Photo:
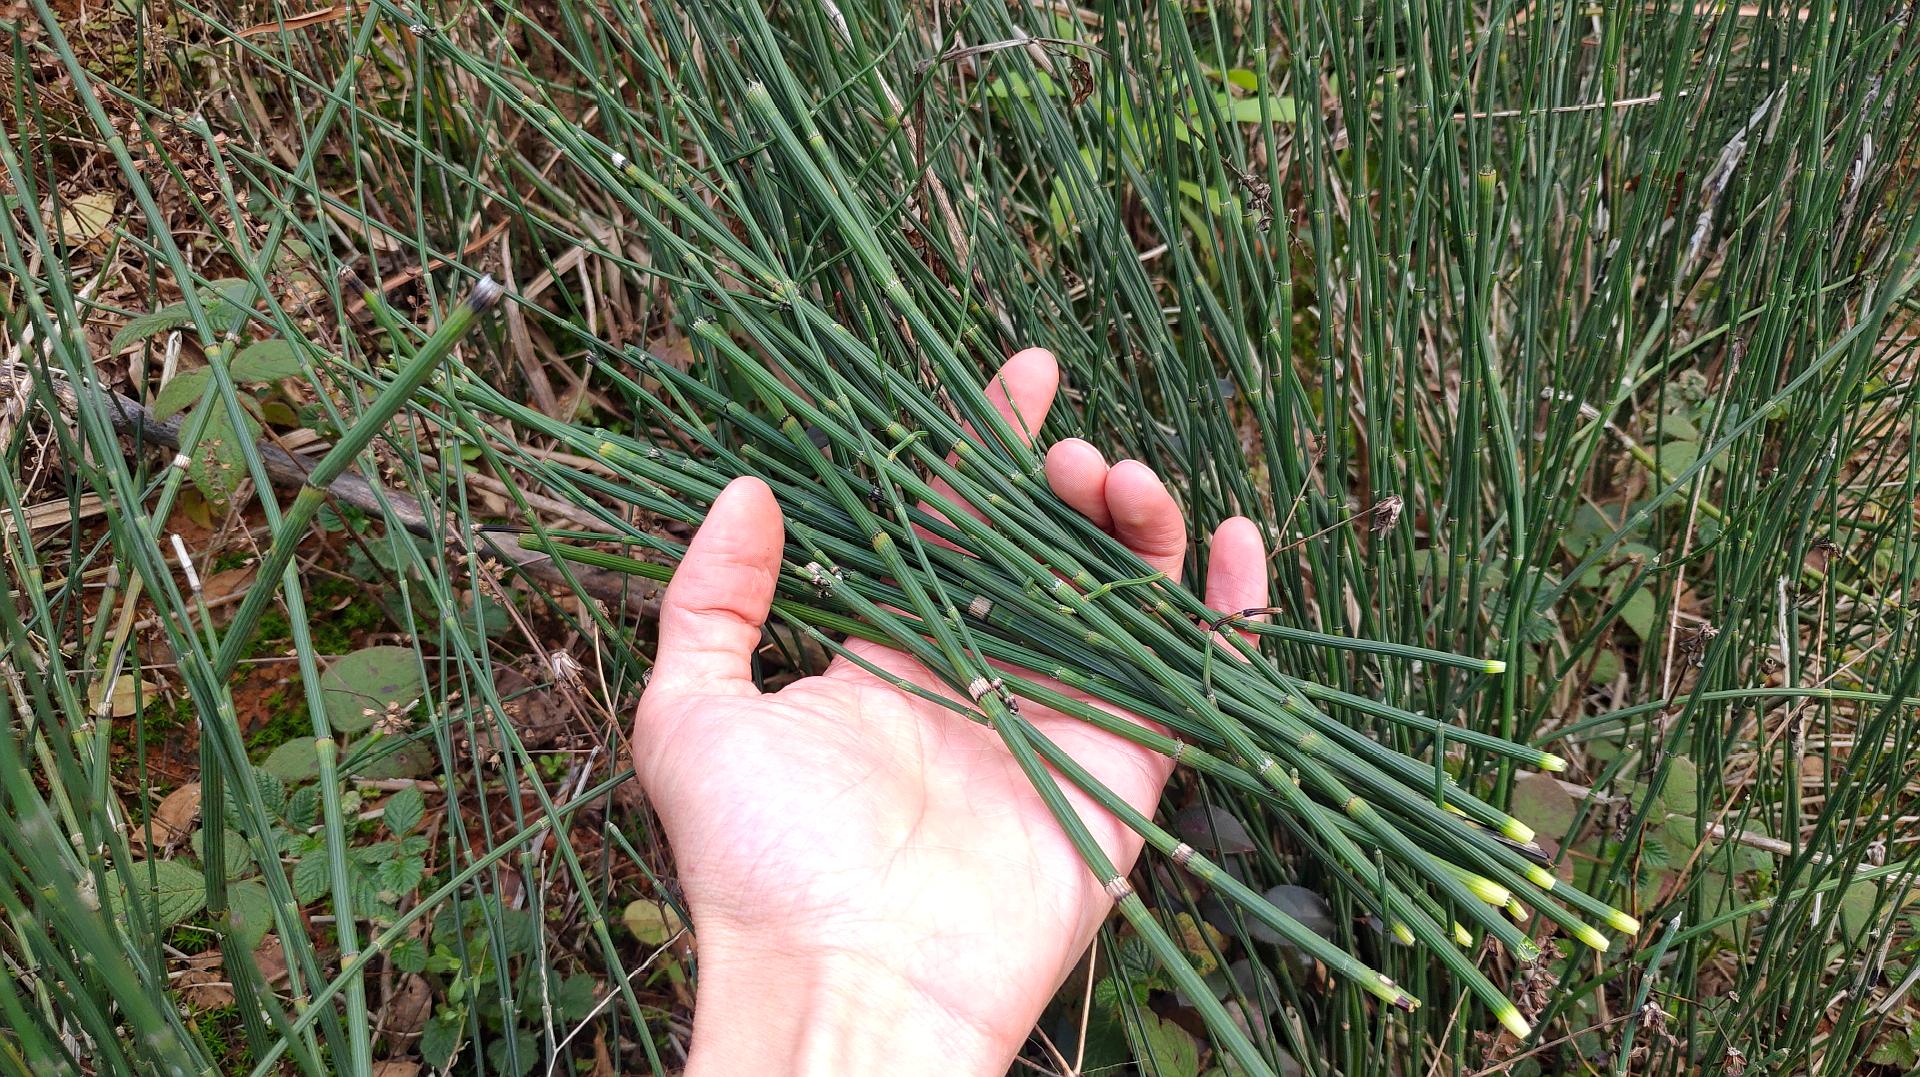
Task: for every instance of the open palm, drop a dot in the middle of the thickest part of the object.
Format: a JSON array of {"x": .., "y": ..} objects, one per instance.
[{"x": 844, "y": 830}]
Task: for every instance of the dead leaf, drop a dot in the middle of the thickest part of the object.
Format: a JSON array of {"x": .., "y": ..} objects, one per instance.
[
  {"x": 303, "y": 20},
  {"x": 602, "y": 1061},
  {"x": 271, "y": 960},
  {"x": 408, "y": 1008},
  {"x": 227, "y": 583},
  {"x": 402, "y": 1068},
  {"x": 86, "y": 217},
  {"x": 122, "y": 697},
  {"x": 173, "y": 819},
  {"x": 203, "y": 984}
]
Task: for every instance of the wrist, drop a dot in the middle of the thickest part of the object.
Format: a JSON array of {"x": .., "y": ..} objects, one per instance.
[{"x": 766, "y": 1008}]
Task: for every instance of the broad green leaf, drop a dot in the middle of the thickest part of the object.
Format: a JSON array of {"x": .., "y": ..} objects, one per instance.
[
  {"x": 398, "y": 877},
  {"x": 391, "y": 757},
  {"x": 1247, "y": 109},
  {"x": 440, "y": 1040},
  {"x": 295, "y": 761},
  {"x": 171, "y": 890},
  {"x": 359, "y": 687},
  {"x": 233, "y": 852},
  {"x": 1545, "y": 803},
  {"x": 179, "y": 392},
  {"x": 310, "y": 879},
  {"x": 303, "y": 809},
  {"x": 251, "y": 911},
  {"x": 651, "y": 922},
  {"x": 1639, "y": 613},
  {"x": 404, "y": 810},
  {"x": 409, "y": 955},
  {"x": 267, "y": 360},
  {"x": 1165, "y": 1048},
  {"x": 576, "y": 996}
]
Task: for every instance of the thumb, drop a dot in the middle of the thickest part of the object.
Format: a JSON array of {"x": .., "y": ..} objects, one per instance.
[{"x": 711, "y": 617}]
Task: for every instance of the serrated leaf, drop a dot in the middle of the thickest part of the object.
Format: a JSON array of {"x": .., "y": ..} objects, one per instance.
[
  {"x": 360, "y": 686},
  {"x": 142, "y": 326},
  {"x": 409, "y": 955},
  {"x": 267, "y": 360},
  {"x": 222, "y": 301},
  {"x": 404, "y": 810},
  {"x": 310, "y": 880},
  {"x": 1165, "y": 1048},
  {"x": 233, "y": 852},
  {"x": 171, "y": 890},
  {"x": 514, "y": 1053},
  {"x": 440, "y": 1040},
  {"x": 303, "y": 809},
  {"x": 295, "y": 761},
  {"x": 273, "y": 792},
  {"x": 251, "y": 911},
  {"x": 576, "y": 996},
  {"x": 179, "y": 392},
  {"x": 220, "y": 458},
  {"x": 1681, "y": 790},
  {"x": 399, "y": 876}
]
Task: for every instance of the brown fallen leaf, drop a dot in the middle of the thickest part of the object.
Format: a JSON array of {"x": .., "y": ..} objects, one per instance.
[
  {"x": 226, "y": 583},
  {"x": 122, "y": 695},
  {"x": 203, "y": 985},
  {"x": 407, "y": 1009},
  {"x": 602, "y": 1061},
  {"x": 396, "y": 1068},
  {"x": 303, "y": 20},
  {"x": 173, "y": 819},
  {"x": 271, "y": 960}
]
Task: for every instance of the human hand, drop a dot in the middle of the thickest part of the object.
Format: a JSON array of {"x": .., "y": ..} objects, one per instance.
[{"x": 874, "y": 884}]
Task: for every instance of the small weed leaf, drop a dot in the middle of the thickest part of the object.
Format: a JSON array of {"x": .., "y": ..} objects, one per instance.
[
  {"x": 171, "y": 890},
  {"x": 1165, "y": 1048},
  {"x": 221, "y": 301},
  {"x": 651, "y": 922},
  {"x": 179, "y": 393},
  {"x": 404, "y": 810},
  {"x": 303, "y": 809},
  {"x": 237, "y": 861},
  {"x": 295, "y": 761},
  {"x": 310, "y": 879},
  {"x": 267, "y": 360},
  {"x": 576, "y": 997},
  {"x": 220, "y": 459},
  {"x": 359, "y": 687},
  {"x": 388, "y": 758},
  {"x": 1212, "y": 829},
  {"x": 409, "y": 955},
  {"x": 146, "y": 325},
  {"x": 441, "y": 1039},
  {"x": 398, "y": 877},
  {"x": 251, "y": 912}
]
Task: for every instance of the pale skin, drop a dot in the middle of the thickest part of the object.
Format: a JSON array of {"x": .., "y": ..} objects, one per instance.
[{"x": 874, "y": 884}]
